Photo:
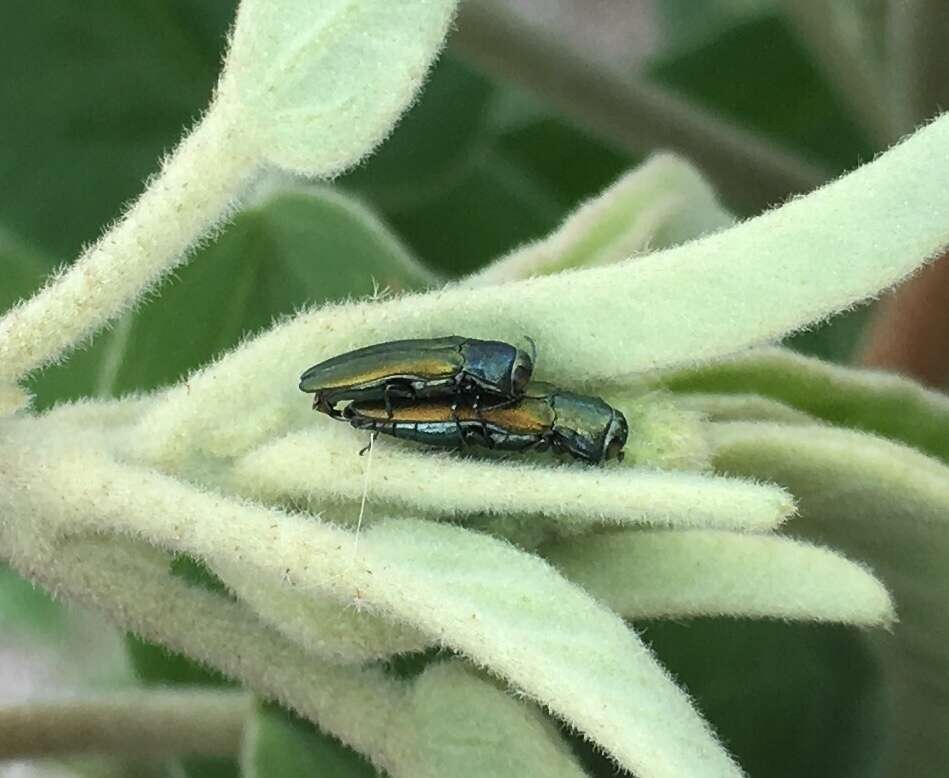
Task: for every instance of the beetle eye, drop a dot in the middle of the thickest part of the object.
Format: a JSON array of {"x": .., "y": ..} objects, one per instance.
[
  {"x": 616, "y": 436},
  {"x": 521, "y": 374},
  {"x": 520, "y": 377},
  {"x": 614, "y": 450}
]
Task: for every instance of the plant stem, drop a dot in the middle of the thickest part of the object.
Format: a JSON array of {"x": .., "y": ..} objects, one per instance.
[
  {"x": 852, "y": 75},
  {"x": 451, "y": 584},
  {"x": 194, "y": 191},
  {"x": 918, "y": 67},
  {"x": 152, "y": 723},
  {"x": 635, "y": 115},
  {"x": 135, "y": 589}
]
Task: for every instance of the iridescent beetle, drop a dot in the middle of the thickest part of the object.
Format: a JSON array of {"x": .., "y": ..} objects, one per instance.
[
  {"x": 545, "y": 418},
  {"x": 420, "y": 369}
]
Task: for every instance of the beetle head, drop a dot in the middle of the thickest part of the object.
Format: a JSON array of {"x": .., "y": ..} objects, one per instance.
[
  {"x": 616, "y": 435},
  {"x": 521, "y": 371}
]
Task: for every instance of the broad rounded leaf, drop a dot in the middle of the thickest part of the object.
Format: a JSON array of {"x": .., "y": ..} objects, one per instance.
[{"x": 321, "y": 84}]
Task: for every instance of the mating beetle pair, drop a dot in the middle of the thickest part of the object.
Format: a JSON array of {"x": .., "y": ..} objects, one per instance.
[
  {"x": 419, "y": 369},
  {"x": 454, "y": 392}
]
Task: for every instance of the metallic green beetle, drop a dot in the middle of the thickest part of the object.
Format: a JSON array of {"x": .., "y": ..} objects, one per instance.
[
  {"x": 420, "y": 369},
  {"x": 587, "y": 428}
]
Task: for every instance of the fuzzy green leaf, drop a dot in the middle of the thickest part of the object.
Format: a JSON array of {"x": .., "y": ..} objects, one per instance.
[
  {"x": 675, "y": 574},
  {"x": 450, "y": 486},
  {"x": 321, "y": 625},
  {"x": 552, "y": 640},
  {"x": 474, "y": 729},
  {"x": 706, "y": 299},
  {"x": 549, "y": 640},
  {"x": 741, "y": 407},
  {"x": 876, "y": 402},
  {"x": 133, "y": 585},
  {"x": 433, "y": 145},
  {"x": 293, "y": 246},
  {"x": 320, "y": 86},
  {"x": 888, "y": 505},
  {"x": 663, "y": 202}
]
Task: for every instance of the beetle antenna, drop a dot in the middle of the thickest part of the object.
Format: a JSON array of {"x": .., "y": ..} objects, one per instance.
[
  {"x": 365, "y": 494},
  {"x": 530, "y": 340}
]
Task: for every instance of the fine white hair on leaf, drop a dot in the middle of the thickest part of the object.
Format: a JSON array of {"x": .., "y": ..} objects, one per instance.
[
  {"x": 308, "y": 87},
  {"x": 574, "y": 496},
  {"x": 321, "y": 85},
  {"x": 868, "y": 400},
  {"x": 886, "y": 504},
  {"x": 208, "y": 170},
  {"x": 644, "y": 574},
  {"x": 551, "y": 640},
  {"x": 469, "y": 720},
  {"x": 662, "y": 202},
  {"x": 320, "y": 624},
  {"x": 704, "y": 300},
  {"x": 741, "y": 407},
  {"x": 12, "y": 398},
  {"x": 132, "y": 584}
]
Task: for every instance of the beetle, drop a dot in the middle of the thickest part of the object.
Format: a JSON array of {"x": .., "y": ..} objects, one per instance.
[
  {"x": 419, "y": 369},
  {"x": 545, "y": 418}
]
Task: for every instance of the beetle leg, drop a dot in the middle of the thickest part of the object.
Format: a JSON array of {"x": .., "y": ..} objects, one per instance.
[
  {"x": 372, "y": 439},
  {"x": 501, "y": 404},
  {"x": 328, "y": 407},
  {"x": 543, "y": 444},
  {"x": 399, "y": 391},
  {"x": 388, "y": 400},
  {"x": 476, "y": 408},
  {"x": 488, "y": 440},
  {"x": 461, "y": 431},
  {"x": 321, "y": 404}
]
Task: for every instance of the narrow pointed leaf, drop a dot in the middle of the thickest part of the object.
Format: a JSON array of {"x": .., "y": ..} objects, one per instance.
[
  {"x": 471, "y": 728},
  {"x": 741, "y": 407},
  {"x": 889, "y": 506},
  {"x": 663, "y": 202},
  {"x": 292, "y": 245},
  {"x": 551, "y": 640},
  {"x": 867, "y": 400},
  {"x": 644, "y": 574},
  {"x": 321, "y": 625},
  {"x": 131, "y": 583},
  {"x": 709, "y": 298},
  {"x": 575, "y": 497}
]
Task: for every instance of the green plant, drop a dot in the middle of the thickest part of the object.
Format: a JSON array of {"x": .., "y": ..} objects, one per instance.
[{"x": 437, "y": 614}]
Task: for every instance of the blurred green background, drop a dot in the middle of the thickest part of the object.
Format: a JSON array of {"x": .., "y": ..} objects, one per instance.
[{"x": 93, "y": 93}]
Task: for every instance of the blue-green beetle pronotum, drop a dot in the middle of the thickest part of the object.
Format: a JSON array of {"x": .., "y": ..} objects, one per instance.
[
  {"x": 420, "y": 369},
  {"x": 544, "y": 418}
]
